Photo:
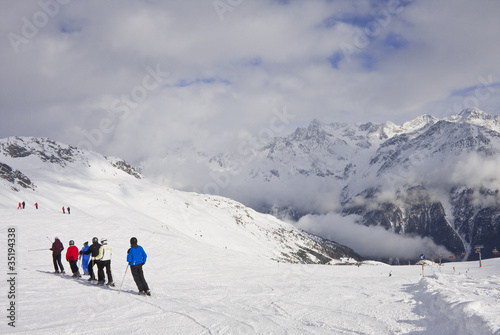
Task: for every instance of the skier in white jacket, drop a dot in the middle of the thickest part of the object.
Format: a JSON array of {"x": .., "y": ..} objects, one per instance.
[{"x": 104, "y": 261}]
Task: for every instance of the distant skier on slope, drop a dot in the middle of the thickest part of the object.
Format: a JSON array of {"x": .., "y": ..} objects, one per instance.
[
  {"x": 85, "y": 258},
  {"x": 136, "y": 258},
  {"x": 93, "y": 251},
  {"x": 104, "y": 261},
  {"x": 68, "y": 210},
  {"x": 72, "y": 258},
  {"x": 64, "y": 210},
  {"x": 57, "y": 248}
]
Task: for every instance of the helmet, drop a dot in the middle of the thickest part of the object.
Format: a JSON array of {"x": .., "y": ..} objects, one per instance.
[
  {"x": 95, "y": 239},
  {"x": 133, "y": 241},
  {"x": 71, "y": 242},
  {"x": 104, "y": 241}
]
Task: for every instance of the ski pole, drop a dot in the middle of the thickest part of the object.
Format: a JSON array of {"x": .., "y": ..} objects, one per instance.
[
  {"x": 120, "y": 289},
  {"x": 37, "y": 250}
]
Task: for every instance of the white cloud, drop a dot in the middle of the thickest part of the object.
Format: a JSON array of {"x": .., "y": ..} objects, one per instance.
[
  {"x": 263, "y": 55},
  {"x": 370, "y": 241}
]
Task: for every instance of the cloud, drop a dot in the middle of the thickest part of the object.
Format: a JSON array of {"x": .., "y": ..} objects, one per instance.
[
  {"x": 226, "y": 75},
  {"x": 369, "y": 241}
]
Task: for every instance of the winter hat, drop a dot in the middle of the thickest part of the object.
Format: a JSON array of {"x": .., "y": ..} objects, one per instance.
[
  {"x": 104, "y": 241},
  {"x": 133, "y": 241},
  {"x": 71, "y": 242},
  {"x": 86, "y": 243}
]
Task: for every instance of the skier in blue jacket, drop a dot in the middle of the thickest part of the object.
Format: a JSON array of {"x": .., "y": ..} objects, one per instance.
[
  {"x": 136, "y": 258},
  {"x": 85, "y": 258}
]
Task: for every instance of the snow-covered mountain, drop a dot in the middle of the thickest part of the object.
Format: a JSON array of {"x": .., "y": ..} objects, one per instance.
[
  {"x": 38, "y": 170},
  {"x": 428, "y": 177}
]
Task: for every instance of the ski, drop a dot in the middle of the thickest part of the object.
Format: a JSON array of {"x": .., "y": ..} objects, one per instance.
[{"x": 85, "y": 281}]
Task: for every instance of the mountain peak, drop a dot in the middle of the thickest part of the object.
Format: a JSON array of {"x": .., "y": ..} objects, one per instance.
[
  {"x": 473, "y": 114},
  {"x": 419, "y": 122}
]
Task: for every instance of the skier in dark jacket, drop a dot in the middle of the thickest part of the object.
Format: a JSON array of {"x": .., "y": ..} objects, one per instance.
[
  {"x": 57, "y": 248},
  {"x": 93, "y": 250},
  {"x": 136, "y": 258}
]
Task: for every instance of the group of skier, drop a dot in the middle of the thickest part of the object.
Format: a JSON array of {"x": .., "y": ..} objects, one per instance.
[
  {"x": 100, "y": 254},
  {"x": 22, "y": 205}
]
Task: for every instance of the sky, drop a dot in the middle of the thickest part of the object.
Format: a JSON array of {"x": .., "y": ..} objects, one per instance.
[{"x": 136, "y": 78}]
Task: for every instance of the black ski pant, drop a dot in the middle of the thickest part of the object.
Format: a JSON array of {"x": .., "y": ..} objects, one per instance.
[
  {"x": 74, "y": 267},
  {"x": 91, "y": 270},
  {"x": 56, "y": 259},
  {"x": 100, "y": 270},
  {"x": 139, "y": 277}
]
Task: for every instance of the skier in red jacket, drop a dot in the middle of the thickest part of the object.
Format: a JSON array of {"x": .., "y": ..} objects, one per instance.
[{"x": 72, "y": 258}]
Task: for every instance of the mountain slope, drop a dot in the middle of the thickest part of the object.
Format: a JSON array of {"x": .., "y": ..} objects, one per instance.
[{"x": 55, "y": 175}]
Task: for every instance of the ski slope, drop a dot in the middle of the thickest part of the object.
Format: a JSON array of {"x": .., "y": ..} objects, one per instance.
[{"x": 198, "y": 288}]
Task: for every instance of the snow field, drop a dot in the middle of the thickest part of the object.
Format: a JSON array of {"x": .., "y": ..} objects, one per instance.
[{"x": 202, "y": 289}]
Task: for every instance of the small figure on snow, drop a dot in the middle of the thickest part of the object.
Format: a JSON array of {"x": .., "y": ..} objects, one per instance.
[
  {"x": 36, "y": 205},
  {"x": 20, "y": 206},
  {"x": 136, "y": 258},
  {"x": 64, "y": 210},
  {"x": 57, "y": 248},
  {"x": 85, "y": 258},
  {"x": 72, "y": 258},
  {"x": 24, "y": 204},
  {"x": 104, "y": 261},
  {"x": 68, "y": 210},
  {"x": 93, "y": 251}
]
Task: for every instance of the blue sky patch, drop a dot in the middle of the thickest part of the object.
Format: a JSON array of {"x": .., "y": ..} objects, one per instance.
[
  {"x": 70, "y": 27},
  {"x": 470, "y": 90},
  {"x": 368, "y": 61},
  {"x": 335, "y": 59},
  {"x": 201, "y": 80},
  {"x": 253, "y": 61},
  {"x": 395, "y": 42}
]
